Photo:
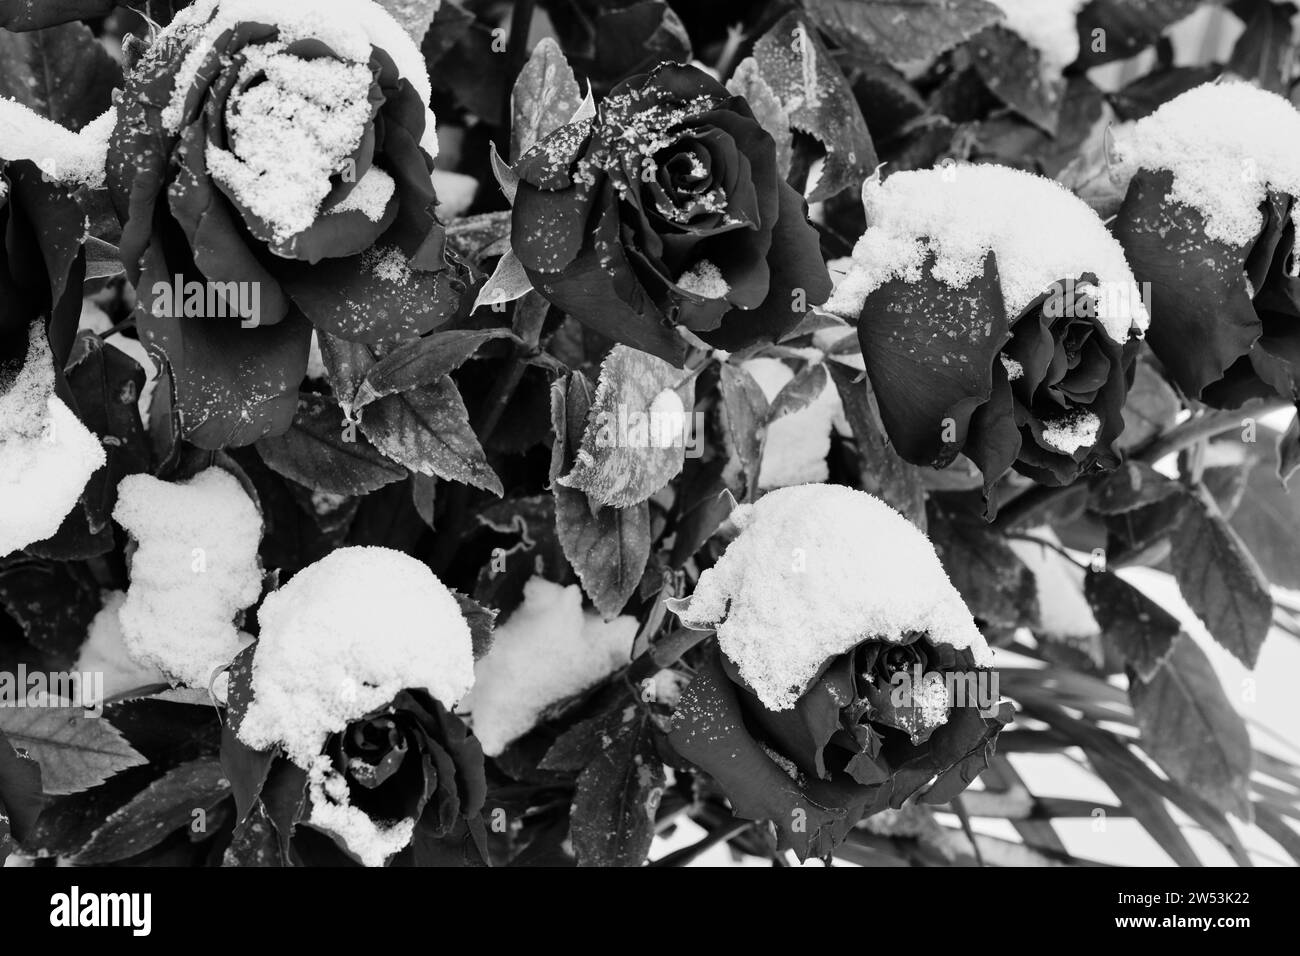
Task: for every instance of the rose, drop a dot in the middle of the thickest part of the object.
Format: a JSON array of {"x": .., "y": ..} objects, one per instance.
[
  {"x": 1208, "y": 220},
  {"x": 271, "y": 168},
  {"x": 665, "y": 208},
  {"x": 995, "y": 316},
  {"x": 412, "y": 760},
  {"x": 848, "y": 674}
]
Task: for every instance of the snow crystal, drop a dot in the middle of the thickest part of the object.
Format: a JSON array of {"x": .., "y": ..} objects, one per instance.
[
  {"x": 1072, "y": 432},
  {"x": 331, "y": 810},
  {"x": 1048, "y": 26},
  {"x": 62, "y": 155},
  {"x": 1014, "y": 369},
  {"x": 46, "y": 454},
  {"x": 388, "y": 264},
  {"x": 1225, "y": 144},
  {"x": 342, "y": 637},
  {"x": 816, "y": 570},
  {"x": 795, "y": 450},
  {"x": 704, "y": 279},
  {"x": 370, "y": 195},
  {"x": 105, "y": 651},
  {"x": 549, "y": 649},
  {"x": 195, "y": 568},
  {"x": 1040, "y": 232}
]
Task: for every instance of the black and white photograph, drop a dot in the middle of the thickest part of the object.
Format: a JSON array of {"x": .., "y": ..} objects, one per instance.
[{"x": 721, "y": 434}]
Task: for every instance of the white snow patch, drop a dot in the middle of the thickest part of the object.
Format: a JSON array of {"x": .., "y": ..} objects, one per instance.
[
  {"x": 1048, "y": 26},
  {"x": 342, "y": 638},
  {"x": 331, "y": 809},
  {"x": 704, "y": 279},
  {"x": 62, "y": 155},
  {"x": 1226, "y": 144},
  {"x": 549, "y": 649},
  {"x": 1014, "y": 369},
  {"x": 1063, "y": 610},
  {"x": 816, "y": 570},
  {"x": 1074, "y": 431},
  {"x": 195, "y": 568},
  {"x": 46, "y": 454},
  {"x": 315, "y": 359},
  {"x": 1040, "y": 232},
  {"x": 370, "y": 195},
  {"x": 456, "y": 192},
  {"x": 105, "y": 651},
  {"x": 795, "y": 450}
]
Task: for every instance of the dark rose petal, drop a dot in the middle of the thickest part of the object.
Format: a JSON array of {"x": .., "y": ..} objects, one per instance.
[
  {"x": 1198, "y": 287},
  {"x": 929, "y": 351}
]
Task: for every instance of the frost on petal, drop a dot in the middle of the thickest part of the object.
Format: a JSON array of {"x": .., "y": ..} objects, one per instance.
[
  {"x": 1039, "y": 232},
  {"x": 548, "y": 650},
  {"x": 46, "y": 454},
  {"x": 342, "y": 638},
  {"x": 815, "y": 571},
  {"x": 331, "y": 810},
  {"x": 194, "y": 569},
  {"x": 1226, "y": 145}
]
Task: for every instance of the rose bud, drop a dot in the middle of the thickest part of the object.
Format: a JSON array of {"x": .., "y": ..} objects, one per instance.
[
  {"x": 997, "y": 318},
  {"x": 848, "y": 674},
  {"x": 667, "y": 208},
  {"x": 1209, "y": 220},
  {"x": 271, "y": 166},
  {"x": 360, "y": 658}
]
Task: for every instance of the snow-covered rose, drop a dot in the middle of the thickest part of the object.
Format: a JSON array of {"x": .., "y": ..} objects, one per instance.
[
  {"x": 848, "y": 672},
  {"x": 1210, "y": 221},
  {"x": 997, "y": 318},
  {"x": 271, "y": 165},
  {"x": 666, "y": 208}
]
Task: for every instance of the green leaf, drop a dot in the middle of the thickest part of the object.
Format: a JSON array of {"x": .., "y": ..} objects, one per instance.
[
  {"x": 882, "y": 472},
  {"x": 744, "y": 417},
  {"x": 427, "y": 430},
  {"x": 800, "y": 392},
  {"x": 61, "y": 72},
  {"x": 815, "y": 96},
  {"x": 75, "y": 752},
  {"x": 183, "y": 797},
  {"x": 748, "y": 81},
  {"x": 1117, "y": 29},
  {"x": 480, "y": 619},
  {"x": 21, "y": 798},
  {"x": 617, "y": 796},
  {"x": 323, "y": 452},
  {"x": 634, "y": 442},
  {"x": 422, "y": 362},
  {"x": 607, "y": 546},
  {"x": 903, "y": 31},
  {"x": 995, "y": 584},
  {"x": 1220, "y": 580},
  {"x": 1150, "y": 408},
  {"x": 54, "y": 602},
  {"x": 1013, "y": 72},
  {"x": 1193, "y": 733},
  {"x": 1267, "y": 517},
  {"x": 1132, "y": 486},
  {"x": 1139, "y": 629},
  {"x": 546, "y": 96}
]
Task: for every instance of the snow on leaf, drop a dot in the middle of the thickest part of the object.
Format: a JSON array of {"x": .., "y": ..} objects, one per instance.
[
  {"x": 817, "y": 99},
  {"x": 75, "y": 752},
  {"x": 748, "y": 82},
  {"x": 423, "y": 361},
  {"x": 904, "y": 30},
  {"x": 546, "y": 96},
  {"x": 634, "y": 442}
]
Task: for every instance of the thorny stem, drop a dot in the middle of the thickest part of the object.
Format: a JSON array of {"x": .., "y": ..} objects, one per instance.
[{"x": 1203, "y": 427}]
